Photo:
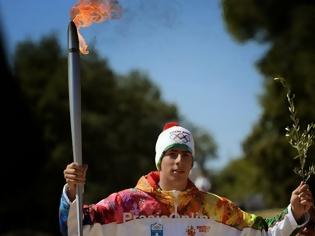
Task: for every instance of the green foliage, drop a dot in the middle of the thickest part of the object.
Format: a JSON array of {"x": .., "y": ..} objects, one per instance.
[
  {"x": 122, "y": 116},
  {"x": 299, "y": 139},
  {"x": 264, "y": 21},
  {"x": 205, "y": 148},
  {"x": 287, "y": 27},
  {"x": 237, "y": 180}
]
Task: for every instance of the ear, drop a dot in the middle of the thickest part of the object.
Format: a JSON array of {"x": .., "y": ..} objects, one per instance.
[{"x": 160, "y": 162}]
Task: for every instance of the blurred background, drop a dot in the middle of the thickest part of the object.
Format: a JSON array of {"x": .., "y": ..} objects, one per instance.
[{"x": 208, "y": 64}]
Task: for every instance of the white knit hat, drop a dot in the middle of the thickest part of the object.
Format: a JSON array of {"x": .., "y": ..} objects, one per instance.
[{"x": 172, "y": 136}]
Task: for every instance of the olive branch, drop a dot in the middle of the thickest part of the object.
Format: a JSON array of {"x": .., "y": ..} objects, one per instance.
[{"x": 299, "y": 139}]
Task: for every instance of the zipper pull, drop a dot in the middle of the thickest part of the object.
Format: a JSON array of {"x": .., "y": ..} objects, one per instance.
[{"x": 175, "y": 195}]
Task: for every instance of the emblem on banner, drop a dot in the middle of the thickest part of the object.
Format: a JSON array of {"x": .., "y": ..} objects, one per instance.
[
  {"x": 191, "y": 231},
  {"x": 156, "y": 229},
  {"x": 203, "y": 228}
]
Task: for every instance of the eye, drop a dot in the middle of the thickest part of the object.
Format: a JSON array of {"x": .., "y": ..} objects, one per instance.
[
  {"x": 173, "y": 154},
  {"x": 187, "y": 154}
]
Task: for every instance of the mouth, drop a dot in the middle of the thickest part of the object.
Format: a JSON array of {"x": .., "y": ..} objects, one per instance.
[{"x": 178, "y": 171}]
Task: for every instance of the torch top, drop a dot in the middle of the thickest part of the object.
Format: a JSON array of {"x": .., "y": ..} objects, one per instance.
[{"x": 73, "y": 40}]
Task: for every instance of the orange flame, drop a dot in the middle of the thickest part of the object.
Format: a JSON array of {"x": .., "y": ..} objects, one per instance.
[{"x": 87, "y": 12}]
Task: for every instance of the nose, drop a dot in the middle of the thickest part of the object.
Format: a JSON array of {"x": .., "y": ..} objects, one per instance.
[{"x": 179, "y": 158}]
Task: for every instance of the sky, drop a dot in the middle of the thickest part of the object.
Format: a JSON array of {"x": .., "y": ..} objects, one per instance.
[{"x": 183, "y": 46}]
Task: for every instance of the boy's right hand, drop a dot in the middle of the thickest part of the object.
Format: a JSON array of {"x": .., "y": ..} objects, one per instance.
[{"x": 74, "y": 174}]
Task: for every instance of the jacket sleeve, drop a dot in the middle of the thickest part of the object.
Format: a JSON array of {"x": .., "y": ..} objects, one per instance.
[
  {"x": 282, "y": 224},
  {"x": 104, "y": 212},
  {"x": 64, "y": 208},
  {"x": 276, "y": 223},
  {"x": 250, "y": 224}
]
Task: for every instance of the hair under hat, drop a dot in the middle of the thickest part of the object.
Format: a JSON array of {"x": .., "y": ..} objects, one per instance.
[{"x": 172, "y": 136}]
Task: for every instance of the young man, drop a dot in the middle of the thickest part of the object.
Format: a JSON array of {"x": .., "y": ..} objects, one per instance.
[{"x": 167, "y": 203}]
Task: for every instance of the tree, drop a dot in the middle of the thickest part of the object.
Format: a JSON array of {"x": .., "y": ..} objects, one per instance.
[
  {"x": 21, "y": 149},
  {"x": 288, "y": 30},
  {"x": 238, "y": 182}
]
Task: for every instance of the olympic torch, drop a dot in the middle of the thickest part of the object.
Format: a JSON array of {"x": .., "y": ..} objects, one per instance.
[{"x": 75, "y": 110}]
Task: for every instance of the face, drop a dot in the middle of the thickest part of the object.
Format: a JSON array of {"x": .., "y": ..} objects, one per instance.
[{"x": 176, "y": 165}]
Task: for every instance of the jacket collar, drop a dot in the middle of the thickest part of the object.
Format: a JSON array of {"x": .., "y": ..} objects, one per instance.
[{"x": 175, "y": 199}]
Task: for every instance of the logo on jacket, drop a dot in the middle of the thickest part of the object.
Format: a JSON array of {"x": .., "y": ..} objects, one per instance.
[
  {"x": 191, "y": 231},
  {"x": 156, "y": 229}
]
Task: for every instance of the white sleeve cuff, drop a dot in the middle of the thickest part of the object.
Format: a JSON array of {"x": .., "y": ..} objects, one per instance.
[
  {"x": 292, "y": 219},
  {"x": 64, "y": 193}
]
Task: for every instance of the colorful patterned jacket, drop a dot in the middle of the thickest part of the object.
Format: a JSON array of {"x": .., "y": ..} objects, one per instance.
[{"x": 148, "y": 210}]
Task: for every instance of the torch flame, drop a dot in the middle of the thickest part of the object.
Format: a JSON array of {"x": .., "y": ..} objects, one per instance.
[{"x": 87, "y": 12}]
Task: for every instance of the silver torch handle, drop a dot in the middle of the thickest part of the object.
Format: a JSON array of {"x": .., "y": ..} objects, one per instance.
[{"x": 75, "y": 110}]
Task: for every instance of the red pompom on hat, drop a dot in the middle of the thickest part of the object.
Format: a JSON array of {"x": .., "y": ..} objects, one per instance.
[
  {"x": 173, "y": 136},
  {"x": 170, "y": 124}
]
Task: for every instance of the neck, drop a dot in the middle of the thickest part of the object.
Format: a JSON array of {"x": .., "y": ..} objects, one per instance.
[{"x": 168, "y": 185}]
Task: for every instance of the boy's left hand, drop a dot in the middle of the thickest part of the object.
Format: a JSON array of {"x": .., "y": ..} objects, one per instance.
[{"x": 301, "y": 201}]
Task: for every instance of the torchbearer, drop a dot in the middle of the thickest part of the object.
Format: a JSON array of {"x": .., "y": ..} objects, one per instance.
[
  {"x": 165, "y": 202},
  {"x": 75, "y": 110}
]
